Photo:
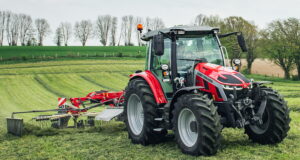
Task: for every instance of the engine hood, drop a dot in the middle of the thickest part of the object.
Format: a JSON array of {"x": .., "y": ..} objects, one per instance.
[{"x": 221, "y": 75}]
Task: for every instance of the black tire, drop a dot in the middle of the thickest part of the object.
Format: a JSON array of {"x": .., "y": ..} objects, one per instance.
[
  {"x": 275, "y": 120},
  {"x": 147, "y": 135},
  {"x": 208, "y": 124}
]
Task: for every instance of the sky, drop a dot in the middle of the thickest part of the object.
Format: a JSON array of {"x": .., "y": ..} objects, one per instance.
[{"x": 173, "y": 12}]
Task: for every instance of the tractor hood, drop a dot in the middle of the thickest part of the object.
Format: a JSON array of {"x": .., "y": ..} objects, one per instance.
[{"x": 215, "y": 73}]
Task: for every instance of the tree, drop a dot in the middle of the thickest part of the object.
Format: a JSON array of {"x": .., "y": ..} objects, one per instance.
[
  {"x": 121, "y": 33},
  {"x": 103, "y": 26},
  {"x": 113, "y": 30},
  {"x": 58, "y": 36},
  {"x": 127, "y": 25},
  {"x": 290, "y": 28},
  {"x": 43, "y": 29},
  {"x": 2, "y": 26},
  {"x": 30, "y": 38},
  {"x": 66, "y": 32},
  {"x": 250, "y": 32},
  {"x": 12, "y": 28},
  {"x": 83, "y": 31},
  {"x": 157, "y": 23},
  {"x": 212, "y": 20},
  {"x": 154, "y": 23},
  {"x": 148, "y": 24},
  {"x": 280, "y": 50},
  {"x": 25, "y": 26}
]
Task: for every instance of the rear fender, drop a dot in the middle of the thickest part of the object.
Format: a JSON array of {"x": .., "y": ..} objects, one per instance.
[{"x": 154, "y": 85}]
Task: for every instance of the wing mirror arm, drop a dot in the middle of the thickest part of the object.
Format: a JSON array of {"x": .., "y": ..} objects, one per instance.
[{"x": 240, "y": 39}]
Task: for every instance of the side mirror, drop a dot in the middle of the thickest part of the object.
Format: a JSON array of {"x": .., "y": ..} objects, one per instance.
[
  {"x": 158, "y": 44},
  {"x": 242, "y": 43}
]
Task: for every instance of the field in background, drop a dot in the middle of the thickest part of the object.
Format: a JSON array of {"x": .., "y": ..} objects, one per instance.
[
  {"x": 266, "y": 67},
  {"x": 14, "y": 53},
  {"x": 26, "y": 86}
]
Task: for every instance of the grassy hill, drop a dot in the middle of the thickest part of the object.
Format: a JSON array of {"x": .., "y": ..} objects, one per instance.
[{"x": 26, "y": 86}]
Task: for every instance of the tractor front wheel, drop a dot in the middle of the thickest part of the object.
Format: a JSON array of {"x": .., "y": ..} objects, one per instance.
[
  {"x": 141, "y": 114},
  {"x": 275, "y": 120},
  {"x": 196, "y": 124}
]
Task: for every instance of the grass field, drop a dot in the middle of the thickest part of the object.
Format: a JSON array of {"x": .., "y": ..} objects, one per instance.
[
  {"x": 26, "y": 86},
  {"x": 8, "y": 53}
]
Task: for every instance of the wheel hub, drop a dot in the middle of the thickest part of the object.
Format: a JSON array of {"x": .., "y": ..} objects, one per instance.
[
  {"x": 193, "y": 126},
  {"x": 135, "y": 113},
  {"x": 187, "y": 127}
]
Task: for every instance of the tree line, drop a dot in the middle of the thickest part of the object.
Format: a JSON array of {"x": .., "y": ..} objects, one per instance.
[{"x": 21, "y": 29}]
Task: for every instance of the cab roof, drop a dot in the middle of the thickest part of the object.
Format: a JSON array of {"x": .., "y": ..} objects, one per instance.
[{"x": 190, "y": 29}]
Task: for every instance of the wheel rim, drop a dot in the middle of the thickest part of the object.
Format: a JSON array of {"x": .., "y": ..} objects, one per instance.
[
  {"x": 135, "y": 113},
  {"x": 262, "y": 128},
  {"x": 185, "y": 119}
]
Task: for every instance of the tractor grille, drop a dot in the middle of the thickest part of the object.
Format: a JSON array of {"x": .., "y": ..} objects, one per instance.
[
  {"x": 230, "y": 79},
  {"x": 240, "y": 93}
]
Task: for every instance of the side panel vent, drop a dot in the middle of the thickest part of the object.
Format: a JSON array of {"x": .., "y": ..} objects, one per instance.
[{"x": 206, "y": 85}]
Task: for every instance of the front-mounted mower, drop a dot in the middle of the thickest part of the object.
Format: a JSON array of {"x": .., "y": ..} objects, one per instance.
[{"x": 189, "y": 87}]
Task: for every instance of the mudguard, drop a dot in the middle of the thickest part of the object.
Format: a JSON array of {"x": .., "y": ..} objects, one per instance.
[
  {"x": 154, "y": 85},
  {"x": 183, "y": 91}
]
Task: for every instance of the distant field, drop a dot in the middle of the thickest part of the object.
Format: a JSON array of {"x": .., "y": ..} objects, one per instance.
[
  {"x": 26, "y": 86},
  {"x": 267, "y": 67},
  {"x": 52, "y": 52}
]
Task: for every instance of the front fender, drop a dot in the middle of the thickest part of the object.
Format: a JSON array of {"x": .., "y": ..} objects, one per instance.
[
  {"x": 183, "y": 91},
  {"x": 154, "y": 85}
]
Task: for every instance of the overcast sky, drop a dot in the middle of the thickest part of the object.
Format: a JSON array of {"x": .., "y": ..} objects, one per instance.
[{"x": 173, "y": 12}]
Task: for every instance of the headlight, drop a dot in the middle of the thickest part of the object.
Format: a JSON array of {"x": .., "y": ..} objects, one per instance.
[{"x": 227, "y": 87}]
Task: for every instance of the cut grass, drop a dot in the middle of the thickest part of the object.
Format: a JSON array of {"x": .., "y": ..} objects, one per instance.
[{"x": 27, "y": 86}]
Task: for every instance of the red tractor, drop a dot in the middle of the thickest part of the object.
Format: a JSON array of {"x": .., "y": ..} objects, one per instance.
[{"x": 187, "y": 87}]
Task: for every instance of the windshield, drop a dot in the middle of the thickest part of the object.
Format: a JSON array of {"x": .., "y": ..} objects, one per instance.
[{"x": 194, "y": 47}]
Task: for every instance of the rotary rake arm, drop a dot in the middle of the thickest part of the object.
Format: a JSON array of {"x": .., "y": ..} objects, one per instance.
[
  {"x": 113, "y": 99},
  {"x": 74, "y": 107}
]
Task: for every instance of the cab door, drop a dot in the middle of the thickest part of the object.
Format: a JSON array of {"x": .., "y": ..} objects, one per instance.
[{"x": 161, "y": 66}]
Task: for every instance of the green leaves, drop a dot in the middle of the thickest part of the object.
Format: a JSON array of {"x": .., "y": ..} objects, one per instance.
[{"x": 283, "y": 43}]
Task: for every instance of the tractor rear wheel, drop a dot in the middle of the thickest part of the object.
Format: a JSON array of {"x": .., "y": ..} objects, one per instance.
[
  {"x": 142, "y": 118},
  {"x": 196, "y": 124},
  {"x": 275, "y": 120}
]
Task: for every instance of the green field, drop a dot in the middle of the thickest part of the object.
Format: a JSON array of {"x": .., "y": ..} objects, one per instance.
[
  {"x": 8, "y": 53},
  {"x": 26, "y": 86}
]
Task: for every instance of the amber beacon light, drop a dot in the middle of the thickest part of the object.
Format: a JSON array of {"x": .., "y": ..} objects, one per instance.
[{"x": 140, "y": 27}]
